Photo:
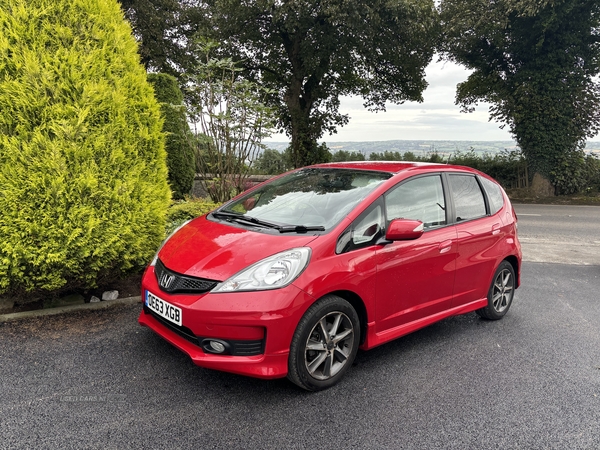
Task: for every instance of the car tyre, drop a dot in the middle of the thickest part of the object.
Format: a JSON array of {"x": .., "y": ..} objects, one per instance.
[
  {"x": 501, "y": 293},
  {"x": 324, "y": 345}
]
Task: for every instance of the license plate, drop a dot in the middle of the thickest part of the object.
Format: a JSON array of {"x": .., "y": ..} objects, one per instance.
[{"x": 164, "y": 309}]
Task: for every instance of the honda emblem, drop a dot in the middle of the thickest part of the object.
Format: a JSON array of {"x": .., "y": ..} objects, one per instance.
[{"x": 166, "y": 280}]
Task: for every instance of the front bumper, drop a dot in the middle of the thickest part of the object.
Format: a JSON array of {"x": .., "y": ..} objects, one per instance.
[{"x": 260, "y": 324}]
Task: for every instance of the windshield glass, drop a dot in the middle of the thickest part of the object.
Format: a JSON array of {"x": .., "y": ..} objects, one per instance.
[{"x": 316, "y": 197}]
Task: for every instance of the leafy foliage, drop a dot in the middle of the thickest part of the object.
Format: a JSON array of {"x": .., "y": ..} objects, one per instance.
[
  {"x": 184, "y": 210},
  {"x": 504, "y": 167},
  {"x": 163, "y": 29},
  {"x": 233, "y": 120},
  {"x": 310, "y": 53},
  {"x": 343, "y": 155},
  {"x": 592, "y": 174},
  {"x": 269, "y": 162},
  {"x": 179, "y": 140},
  {"x": 535, "y": 62},
  {"x": 389, "y": 156},
  {"x": 82, "y": 163}
]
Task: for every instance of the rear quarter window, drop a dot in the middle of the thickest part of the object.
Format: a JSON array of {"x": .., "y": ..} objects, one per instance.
[{"x": 494, "y": 194}]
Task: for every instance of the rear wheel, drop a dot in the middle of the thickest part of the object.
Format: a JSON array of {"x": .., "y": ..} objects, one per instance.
[
  {"x": 501, "y": 293},
  {"x": 324, "y": 345}
]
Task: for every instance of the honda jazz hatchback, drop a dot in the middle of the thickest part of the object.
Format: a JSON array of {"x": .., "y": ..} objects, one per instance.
[{"x": 292, "y": 277}]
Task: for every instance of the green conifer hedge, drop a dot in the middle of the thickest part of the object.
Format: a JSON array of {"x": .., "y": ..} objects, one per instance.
[
  {"x": 181, "y": 160},
  {"x": 83, "y": 178}
]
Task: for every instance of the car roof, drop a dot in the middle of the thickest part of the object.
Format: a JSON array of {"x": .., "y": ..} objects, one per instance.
[{"x": 380, "y": 166}]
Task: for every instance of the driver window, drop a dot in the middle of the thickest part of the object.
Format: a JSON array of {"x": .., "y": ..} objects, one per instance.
[{"x": 418, "y": 199}]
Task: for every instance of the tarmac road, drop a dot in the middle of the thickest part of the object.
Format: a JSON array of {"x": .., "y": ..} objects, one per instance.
[
  {"x": 561, "y": 234},
  {"x": 95, "y": 379}
]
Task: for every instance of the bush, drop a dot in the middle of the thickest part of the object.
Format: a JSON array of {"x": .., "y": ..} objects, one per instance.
[
  {"x": 82, "y": 162},
  {"x": 270, "y": 162},
  {"x": 181, "y": 211},
  {"x": 504, "y": 167},
  {"x": 179, "y": 140},
  {"x": 343, "y": 155},
  {"x": 592, "y": 174}
]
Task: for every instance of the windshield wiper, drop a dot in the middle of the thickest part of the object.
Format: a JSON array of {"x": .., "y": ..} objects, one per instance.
[
  {"x": 254, "y": 221},
  {"x": 241, "y": 217},
  {"x": 300, "y": 228}
]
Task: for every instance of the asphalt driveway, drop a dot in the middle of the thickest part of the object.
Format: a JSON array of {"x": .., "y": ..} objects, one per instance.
[{"x": 96, "y": 379}]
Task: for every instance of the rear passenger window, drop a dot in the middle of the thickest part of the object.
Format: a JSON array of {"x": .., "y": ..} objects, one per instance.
[
  {"x": 494, "y": 193},
  {"x": 468, "y": 197}
]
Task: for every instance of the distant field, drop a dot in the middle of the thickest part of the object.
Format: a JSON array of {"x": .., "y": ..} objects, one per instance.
[{"x": 423, "y": 147}]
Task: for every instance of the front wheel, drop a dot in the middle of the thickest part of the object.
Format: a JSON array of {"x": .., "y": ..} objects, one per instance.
[
  {"x": 324, "y": 345},
  {"x": 501, "y": 293}
]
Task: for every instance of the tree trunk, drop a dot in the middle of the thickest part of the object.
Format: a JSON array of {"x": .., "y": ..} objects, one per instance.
[
  {"x": 304, "y": 148},
  {"x": 541, "y": 186},
  {"x": 299, "y": 99}
]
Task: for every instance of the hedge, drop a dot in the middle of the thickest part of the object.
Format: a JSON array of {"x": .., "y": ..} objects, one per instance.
[
  {"x": 83, "y": 174},
  {"x": 181, "y": 160}
]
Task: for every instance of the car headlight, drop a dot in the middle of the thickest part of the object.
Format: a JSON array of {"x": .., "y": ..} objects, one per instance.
[
  {"x": 153, "y": 262},
  {"x": 274, "y": 272}
]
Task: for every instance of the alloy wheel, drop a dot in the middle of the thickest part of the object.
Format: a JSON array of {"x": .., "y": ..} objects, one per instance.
[
  {"x": 329, "y": 345},
  {"x": 503, "y": 290}
]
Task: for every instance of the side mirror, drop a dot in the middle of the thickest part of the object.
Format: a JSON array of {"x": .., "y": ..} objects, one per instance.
[{"x": 404, "y": 230}]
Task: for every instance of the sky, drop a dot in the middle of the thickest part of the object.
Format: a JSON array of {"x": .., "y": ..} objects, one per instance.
[{"x": 436, "y": 118}]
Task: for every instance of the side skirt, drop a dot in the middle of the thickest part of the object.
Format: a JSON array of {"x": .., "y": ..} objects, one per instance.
[{"x": 374, "y": 339}]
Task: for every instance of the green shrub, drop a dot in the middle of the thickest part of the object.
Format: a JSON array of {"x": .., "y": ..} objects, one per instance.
[
  {"x": 592, "y": 174},
  {"x": 386, "y": 155},
  {"x": 504, "y": 167},
  {"x": 180, "y": 151},
  {"x": 270, "y": 162},
  {"x": 343, "y": 155},
  {"x": 181, "y": 211},
  {"x": 83, "y": 175}
]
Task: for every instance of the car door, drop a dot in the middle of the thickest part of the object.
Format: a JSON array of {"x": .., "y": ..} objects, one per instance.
[
  {"x": 479, "y": 232},
  {"x": 415, "y": 278}
]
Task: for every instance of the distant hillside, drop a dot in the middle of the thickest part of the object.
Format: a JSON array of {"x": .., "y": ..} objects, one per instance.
[{"x": 422, "y": 147}]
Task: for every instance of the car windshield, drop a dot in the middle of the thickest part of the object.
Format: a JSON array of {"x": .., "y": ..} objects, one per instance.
[{"x": 314, "y": 197}]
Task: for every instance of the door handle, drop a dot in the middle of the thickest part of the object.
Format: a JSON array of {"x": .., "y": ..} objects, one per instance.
[
  {"x": 445, "y": 246},
  {"x": 496, "y": 228}
]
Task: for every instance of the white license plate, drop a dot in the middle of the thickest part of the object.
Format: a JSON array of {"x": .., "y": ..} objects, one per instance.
[{"x": 164, "y": 309}]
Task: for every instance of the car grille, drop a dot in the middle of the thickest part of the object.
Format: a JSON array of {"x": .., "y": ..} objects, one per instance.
[
  {"x": 173, "y": 282},
  {"x": 238, "y": 348},
  {"x": 247, "y": 348}
]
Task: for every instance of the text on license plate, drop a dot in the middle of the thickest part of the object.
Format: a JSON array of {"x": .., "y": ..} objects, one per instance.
[{"x": 164, "y": 309}]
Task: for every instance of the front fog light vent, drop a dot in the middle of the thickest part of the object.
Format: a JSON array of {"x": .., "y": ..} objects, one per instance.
[
  {"x": 216, "y": 346},
  {"x": 233, "y": 348}
]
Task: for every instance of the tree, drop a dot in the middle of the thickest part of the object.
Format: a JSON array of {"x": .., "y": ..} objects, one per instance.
[
  {"x": 180, "y": 150},
  {"x": 270, "y": 162},
  {"x": 386, "y": 156},
  {"x": 535, "y": 62},
  {"x": 83, "y": 176},
  {"x": 163, "y": 29},
  {"x": 312, "y": 52},
  {"x": 344, "y": 155},
  {"x": 233, "y": 120}
]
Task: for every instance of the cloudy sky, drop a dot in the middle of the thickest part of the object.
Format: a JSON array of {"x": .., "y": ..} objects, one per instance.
[{"x": 437, "y": 118}]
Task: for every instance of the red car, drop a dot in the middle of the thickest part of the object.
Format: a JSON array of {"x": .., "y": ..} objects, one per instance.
[{"x": 292, "y": 277}]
